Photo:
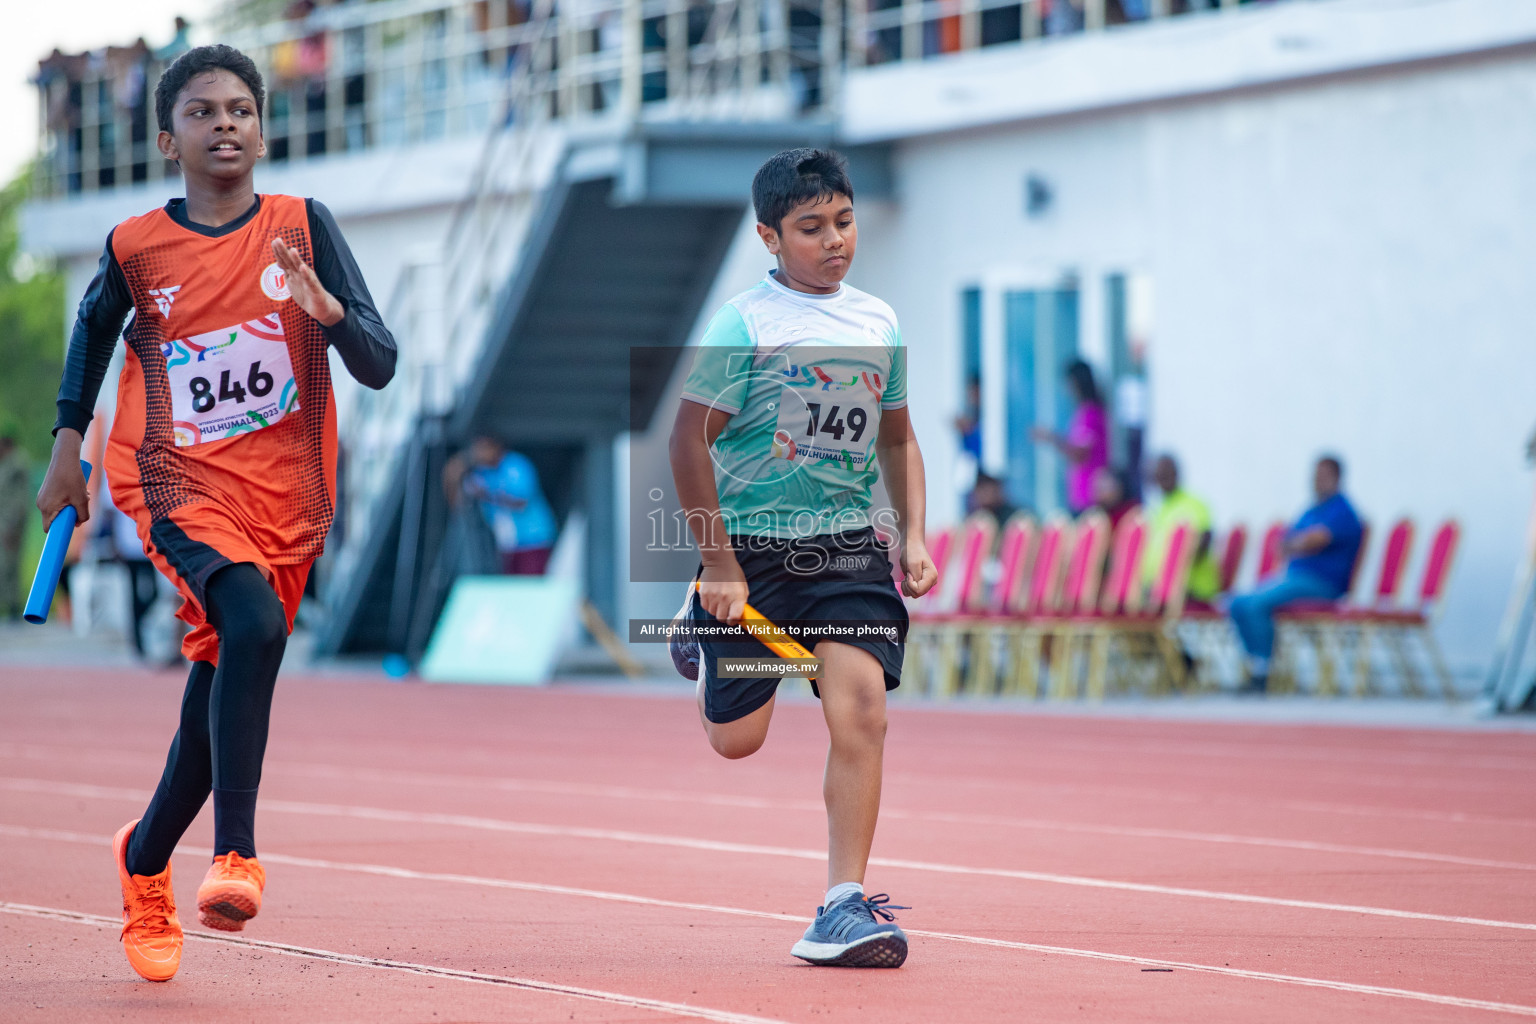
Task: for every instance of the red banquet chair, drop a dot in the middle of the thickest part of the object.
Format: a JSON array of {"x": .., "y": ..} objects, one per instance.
[
  {"x": 1143, "y": 635},
  {"x": 1206, "y": 624},
  {"x": 1116, "y": 594},
  {"x": 1043, "y": 593},
  {"x": 1232, "y": 556},
  {"x": 969, "y": 602},
  {"x": 1061, "y": 622},
  {"x": 1399, "y": 627},
  {"x": 1383, "y": 598},
  {"x": 1271, "y": 552},
  {"x": 958, "y": 591},
  {"x": 1005, "y": 600},
  {"x": 1318, "y": 625}
]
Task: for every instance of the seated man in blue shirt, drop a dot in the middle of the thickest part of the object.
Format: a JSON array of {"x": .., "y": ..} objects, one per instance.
[{"x": 1321, "y": 549}]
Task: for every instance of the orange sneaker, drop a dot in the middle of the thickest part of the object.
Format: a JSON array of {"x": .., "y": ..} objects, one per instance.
[
  {"x": 151, "y": 931},
  {"x": 231, "y": 893}
]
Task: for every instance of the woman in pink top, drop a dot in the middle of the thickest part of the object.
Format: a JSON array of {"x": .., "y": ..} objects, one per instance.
[{"x": 1086, "y": 442}]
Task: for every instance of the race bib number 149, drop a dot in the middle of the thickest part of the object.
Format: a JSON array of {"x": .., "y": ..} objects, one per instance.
[
  {"x": 229, "y": 382},
  {"x": 823, "y": 418}
]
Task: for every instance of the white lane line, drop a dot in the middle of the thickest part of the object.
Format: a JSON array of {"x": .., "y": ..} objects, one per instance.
[
  {"x": 617, "y": 897},
  {"x": 1325, "y": 754},
  {"x": 720, "y": 846},
  {"x": 1133, "y": 831},
  {"x": 1011, "y": 787},
  {"x": 990, "y": 821},
  {"x": 810, "y": 806},
  {"x": 381, "y": 963},
  {"x": 411, "y": 874},
  {"x": 1234, "y": 972},
  {"x": 37, "y": 751}
]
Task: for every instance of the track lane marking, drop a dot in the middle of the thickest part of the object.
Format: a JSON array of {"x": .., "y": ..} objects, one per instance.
[
  {"x": 811, "y": 806},
  {"x": 615, "y": 897},
  {"x": 155, "y": 761},
  {"x": 1435, "y": 753},
  {"x": 383, "y": 963},
  {"x": 721, "y": 846},
  {"x": 991, "y": 821}
]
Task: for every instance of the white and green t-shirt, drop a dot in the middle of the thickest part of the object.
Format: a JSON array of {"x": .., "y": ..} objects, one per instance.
[{"x": 805, "y": 378}]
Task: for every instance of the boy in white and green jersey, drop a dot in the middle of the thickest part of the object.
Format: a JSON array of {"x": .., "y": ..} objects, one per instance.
[
  {"x": 796, "y": 403},
  {"x": 805, "y": 378}
]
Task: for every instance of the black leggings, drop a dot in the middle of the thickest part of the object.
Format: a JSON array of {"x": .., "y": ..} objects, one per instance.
[{"x": 223, "y": 734}]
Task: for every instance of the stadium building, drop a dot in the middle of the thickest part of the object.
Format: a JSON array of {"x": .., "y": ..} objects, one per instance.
[{"x": 1308, "y": 225}]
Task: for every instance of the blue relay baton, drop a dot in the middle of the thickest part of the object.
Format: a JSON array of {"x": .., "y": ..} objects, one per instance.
[{"x": 40, "y": 598}]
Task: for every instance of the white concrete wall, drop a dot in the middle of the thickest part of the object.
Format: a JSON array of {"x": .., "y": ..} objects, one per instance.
[{"x": 1338, "y": 264}]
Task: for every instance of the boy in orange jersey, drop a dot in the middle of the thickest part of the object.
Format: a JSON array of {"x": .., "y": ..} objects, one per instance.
[{"x": 223, "y": 451}]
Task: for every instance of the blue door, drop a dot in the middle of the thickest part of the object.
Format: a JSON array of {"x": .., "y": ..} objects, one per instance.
[{"x": 1040, "y": 339}]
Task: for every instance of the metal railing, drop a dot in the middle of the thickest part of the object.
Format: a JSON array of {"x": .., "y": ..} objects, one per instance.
[
  {"x": 355, "y": 76},
  {"x": 880, "y": 31}
]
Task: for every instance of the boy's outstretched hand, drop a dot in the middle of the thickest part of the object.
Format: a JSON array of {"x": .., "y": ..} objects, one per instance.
[
  {"x": 305, "y": 286},
  {"x": 917, "y": 567}
]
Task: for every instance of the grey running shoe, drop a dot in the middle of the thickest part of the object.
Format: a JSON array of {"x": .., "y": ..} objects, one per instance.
[
  {"x": 682, "y": 644},
  {"x": 859, "y": 931}
]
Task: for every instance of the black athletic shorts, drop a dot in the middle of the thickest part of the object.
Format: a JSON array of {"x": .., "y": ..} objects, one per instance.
[{"x": 835, "y": 579}]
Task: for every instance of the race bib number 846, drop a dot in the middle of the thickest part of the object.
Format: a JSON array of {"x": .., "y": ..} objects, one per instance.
[{"x": 231, "y": 381}]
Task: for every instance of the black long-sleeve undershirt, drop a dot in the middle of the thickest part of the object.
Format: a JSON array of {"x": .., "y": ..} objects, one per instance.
[
  {"x": 366, "y": 346},
  {"x": 98, "y": 322}
]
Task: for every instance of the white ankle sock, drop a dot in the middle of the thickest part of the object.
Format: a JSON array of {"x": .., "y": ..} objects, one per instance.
[{"x": 843, "y": 890}]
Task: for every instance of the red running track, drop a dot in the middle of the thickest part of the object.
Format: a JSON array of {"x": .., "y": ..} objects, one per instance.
[{"x": 441, "y": 853}]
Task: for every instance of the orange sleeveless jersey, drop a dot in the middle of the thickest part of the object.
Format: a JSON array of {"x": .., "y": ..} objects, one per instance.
[{"x": 238, "y": 458}]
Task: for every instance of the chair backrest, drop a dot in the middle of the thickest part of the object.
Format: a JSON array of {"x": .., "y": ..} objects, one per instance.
[
  {"x": 1394, "y": 562},
  {"x": 1437, "y": 566},
  {"x": 1173, "y": 581},
  {"x": 1085, "y": 564},
  {"x": 1015, "y": 555},
  {"x": 1044, "y": 591},
  {"x": 974, "y": 548},
  {"x": 1232, "y": 556},
  {"x": 1271, "y": 554},
  {"x": 1122, "y": 581},
  {"x": 1354, "y": 570}
]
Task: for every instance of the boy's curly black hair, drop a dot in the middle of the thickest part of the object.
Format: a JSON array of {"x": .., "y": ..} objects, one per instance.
[
  {"x": 797, "y": 176},
  {"x": 197, "y": 61}
]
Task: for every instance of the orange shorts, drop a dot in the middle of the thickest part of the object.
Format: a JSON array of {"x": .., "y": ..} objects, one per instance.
[{"x": 195, "y": 542}]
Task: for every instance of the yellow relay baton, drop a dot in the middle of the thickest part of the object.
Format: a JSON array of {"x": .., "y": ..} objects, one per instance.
[{"x": 772, "y": 637}]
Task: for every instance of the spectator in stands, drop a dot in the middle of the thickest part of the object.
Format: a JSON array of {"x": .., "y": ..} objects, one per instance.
[
  {"x": 991, "y": 496},
  {"x": 1086, "y": 442},
  {"x": 968, "y": 430},
  {"x": 1111, "y": 494},
  {"x": 15, "y": 487},
  {"x": 1131, "y": 419},
  {"x": 1059, "y": 17},
  {"x": 1178, "y": 506},
  {"x": 180, "y": 44},
  {"x": 1118, "y": 12},
  {"x": 1321, "y": 549},
  {"x": 968, "y": 423},
  {"x": 506, "y": 487}
]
